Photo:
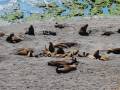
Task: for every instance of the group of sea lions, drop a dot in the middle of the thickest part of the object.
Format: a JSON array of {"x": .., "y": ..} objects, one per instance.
[
  {"x": 83, "y": 31},
  {"x": 61, "y": 50}
]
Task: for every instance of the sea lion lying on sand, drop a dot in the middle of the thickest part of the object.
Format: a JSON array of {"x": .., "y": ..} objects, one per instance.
[
  {"x": 25, "y": 52},
  {"x": 66, "y": 68},
  {"x": 97, "y": 55},
  {"x": 12, "y": 38},
  {"x": 114, "y": 51},
  {"x": 107, "y": 33}
]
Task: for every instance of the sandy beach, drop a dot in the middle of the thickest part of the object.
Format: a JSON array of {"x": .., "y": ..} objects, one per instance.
[{"x": 30, "y": 73}]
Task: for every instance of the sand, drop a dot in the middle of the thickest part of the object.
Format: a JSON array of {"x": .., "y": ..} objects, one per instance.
[{"x": 30, "y": 73}]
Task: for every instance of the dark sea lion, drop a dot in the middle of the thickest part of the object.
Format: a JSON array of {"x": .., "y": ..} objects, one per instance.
[
  {"x": 30, "y": 31},
  {"x": 107, "y": 33},
  {"x": 12, "y": 38},
  {"x": 65, "y": 45},
  {"x": 83, "y": 31},
  {"x": 25, "y": 52},
  {"x": 60, "y": 51},
  {"x": 51, "y": 47},
  {"x": 96, "y": 54},
  {"x": 49, "y": 33},
  {"x": 2, "y": 34},
  {"x": 60, "y": 26},
  {"x": 65, "y": 62},
  {"x": 118, "y": 31}
]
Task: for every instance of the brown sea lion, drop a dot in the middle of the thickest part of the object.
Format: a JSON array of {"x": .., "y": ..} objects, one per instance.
[
  {"x": 25, "y": 52},
  {"x": 60, "y": 26},
  {"x": 114, "y": 51},
  {"x": 51, "y": 47},
  {"x": 63, "y": 62},
  {"x": 2, "y": 34},
  {"x": 66, "y": 68}
]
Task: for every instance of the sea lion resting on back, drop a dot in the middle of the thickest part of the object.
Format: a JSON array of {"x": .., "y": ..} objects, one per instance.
[
  {"x": 65, "y": 45},
  {"x": 66, "y": 68},
  {"x": 63, "y": 62}
]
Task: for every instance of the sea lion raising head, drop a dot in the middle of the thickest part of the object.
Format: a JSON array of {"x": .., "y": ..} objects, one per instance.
[
  {"x": 51, "y": 47},
  {"x": 30, "y": 30},
  {"x": 83, "y": 30}
]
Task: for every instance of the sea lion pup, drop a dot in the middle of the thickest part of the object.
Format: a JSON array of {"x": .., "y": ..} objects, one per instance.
[
  {"x": 114, "y": 51},
  {"x": 65, "y": 45},
  {"x": 63, "y": 62},
  {"x": 107, "y": 33},
  {"x": 66, "y": 68},
  {"x": 30, "y": 31},
  {"x": 12, "y": 38},
  {"x": 51, "y": 47},
  {"x": 2, "y": 34},
  {"x": 49, "y": 33},
  {"x": 60, "y": 26},
  {"x": 25, "y": 52},
  {"x": 83, "y": 30}
]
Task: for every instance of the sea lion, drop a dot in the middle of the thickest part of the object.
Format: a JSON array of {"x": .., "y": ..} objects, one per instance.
[
  {"x": 107, "y": 33},
  {"x": 51, "y": 47},
  {"x": 66, "y": 68},
  {"x": 83, "y": 31},
  {"x": 84, "y": 54},
  {"x": 25, "y": 52},
  {"x": 12, "y": 38},
  {"x": 60, "y": 26},
  {"x": 100, "y": 57},
  {"x": 114, "y": 51},
  {"x": 2, "y": 34},
  {"x": 60, "y": 51},
  {"x": 30, "y": 31}
]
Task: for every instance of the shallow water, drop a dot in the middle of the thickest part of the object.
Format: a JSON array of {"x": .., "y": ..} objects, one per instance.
[
  {"x": 28, "y": 8},
  {"x": 4, "y": 2}
]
